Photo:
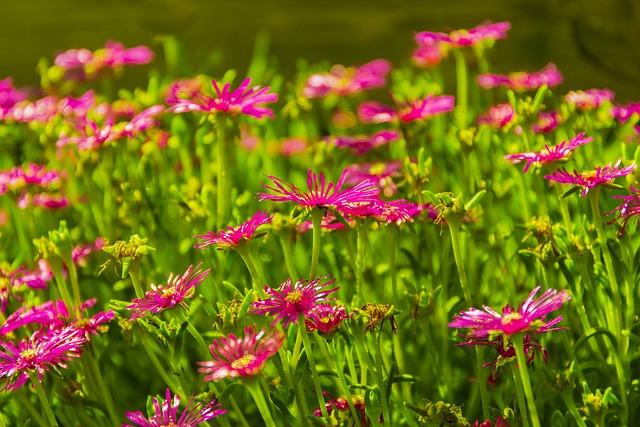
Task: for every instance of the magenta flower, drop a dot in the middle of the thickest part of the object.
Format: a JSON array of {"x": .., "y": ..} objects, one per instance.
[
  {"x": 241, "y": 101},
  {"x": 341, "y": 407},
  {"x": 499, "y": 116},
  {"x": 293, "y": 300},
  {"x": 142, "y": 121},
  {"x": 9, "y": 96},
  {"x": 73, "y": 58},
  {"x": 343, "y": 81},
  {"x": 591, "y": 179},
  {"x": 115, "y": 55},
  {"x": 382, "y": 174},
  {"x": 428, "y": 56},
  {"x": 40, "y": 110},
  {"x": 42, "y": 351},
  {"x": 12, "y": 280},
  {"x": 522, "y": 81},
  {"x": 161, "y": 297},
  {"x": 166, "y": 413},
  {"x": 622, "y": 113},
  {"x": 460, "y": 38},
  {"x": 589, "y": 99},
  {"x": 528, "y": 318},
  {"x": 558, "y": 152},
  {"x": 241, "y": 356},
  {"x": 499, "y": 422},
  {"x": 234, "y": 236},
  {"x": 360, "y": 145},
  {"x": 326, "y": 318},
  {"x": 321, "y": 195},
  {"x": 375, "y": 112},
  {"x": 547, "y": 121},
  {"x": 628, "y": 209}
]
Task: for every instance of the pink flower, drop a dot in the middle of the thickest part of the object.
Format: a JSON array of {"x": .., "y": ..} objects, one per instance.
[
  {"x": 293, "y": 300},
  {"x": 9, "y": 96},
  {"x": 499, "y": 116},
  {"x": 166, "y": 413},
  {"x": 73, "y": 58},
  {"x": 500, "y": 422},
  {"x": 360, "y": 145},
  {"x": 484, "y": 32},
  {"x": 622, "y": 113},
  {"x": 41, "y": 110},
  {"x": 234, "y": 236},
  {"x": 343, "y": 81},
  {"x": 142, "y": 121},
  {"x": 42, "y": 351},
  {"x": 522, "y": 81},
  {"x": 240, "y": 101},
  {"x": 591, "y": 179},
  {"x": 326, "y": 318},
  {"x": 161, "y": 297},
  {"x": 558, "y": 152},
  {"x": 547, "y": 121},
  {"x": 382, "y": 173},
  {"x": 321, "y": 195},
  {"x": 429, "y": 55},
  {"x": 528, "y": 318},
  {"x": 589, "y": 99},
  {"x": 241, "y": 356},
  {"x": 628, "y": 209},
  {"x": 375, "y": 112},
  {"x": 115, "y": 55}
]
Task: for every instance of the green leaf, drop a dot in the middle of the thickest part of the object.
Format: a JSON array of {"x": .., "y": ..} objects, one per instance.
[
  {"x": 558, "y": 420},
  {"x": 475, "y": 199}
]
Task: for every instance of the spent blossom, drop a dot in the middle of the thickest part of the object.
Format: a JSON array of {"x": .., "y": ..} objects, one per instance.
[
  {"x": 590, "y": 179},
  {"x": 234, "y": 236},
  {"x": 244, "y": 100},
  {"x": 529, "y": 317},
  {"x": 162, "y": 297},
  {"x": 166, "y": 413},
  {"x": 292, "y": 300},
  {"x": 560, "y": 152},
  {"x": 243, "y": 356},
  {"x": 521, "y": 81},
  {"x": 420, "y": 109},
  {"x": 342, "y": 81}
]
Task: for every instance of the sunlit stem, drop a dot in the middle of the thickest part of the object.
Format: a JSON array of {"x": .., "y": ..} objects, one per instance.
[
  {"x": 316, "y": 220},
  {"x": 44, "y": 402},
  {"x": 361, "y": 238},
  {"x": 24, "y": 400},
  {"x": 301, "y": 403},
  {"x": 302, "y": 330},
  {"x": 287, "y": 254},
  {"x": 134, "y": 274},
  {"x": 222, "y": 172},
  {"x": 243, "y": 250},
  {"x": 518, "y": 344},
  {"x": 462, "y": 88}
]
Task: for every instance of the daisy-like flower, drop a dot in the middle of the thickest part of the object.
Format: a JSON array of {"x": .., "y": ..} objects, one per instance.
[
  {"x": 383, "y": 173},
  {"x": 530, "y": 316},
  {"x": 161, "y": 297},
  {"x": 360, "y": 145},
  {"x": 590, "y": 179},
  {"x": 628, "y": 209},
  {"x": 166, "y": 413},
  {"x": 522, "y": 81},
  {"x": 375, "y": 112},
  {"x": 460, "y": 38},
  {"x": 241, "y": 101},
  {"x": 292, "y": 300},
  {"x": 234, "y": 236},
  {"x": 241, "y": 356},
  {"x": 321, "y": 195},
  {"x": 428, "y": 56},
  {"x": 41, "y": 352},
  {"x": 344, "y": 81},
  {"x": 499, "y": 116},
  {"x": 12, "y": 280},
  {"x": 547, "y": 121},
  {"x": 555, "y": 153},
  {"x": 326, "y": 318},
  {"x": 142, "y": 121},
  {"x": 589, "y": 99}
]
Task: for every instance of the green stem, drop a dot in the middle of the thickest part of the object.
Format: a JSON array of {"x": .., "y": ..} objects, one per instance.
[
  {"x": 176, "y": 388},
  {"x": 44, "y": 402},
  {"x": 134, "y": 273},
  {"x": 337, "y": 356},
  {"x": 316, "y": 220},
  {"x": 96, "y": 376},
  {"x": 301, "y": 403},
  {"x": 243, "y": 250},
  {"x": 24, "y": 399},
  {"x": 454, "y": 229},
  {"x": 564, "y": 209},
  {"x": 379, "y": 371},
  {"x": 361, "y": 237},
  {"x": 520, "y": 395},
  {"x": 253, "y": 385},
  {"x": 222, "y": 172},
  {"x": 571, "y": 406},
  {"x": 302, "y": 330},
  {"x": 518, "y": 344},
  {"x": 285, "y": 244},
  {"x": 462, "y": 88}
]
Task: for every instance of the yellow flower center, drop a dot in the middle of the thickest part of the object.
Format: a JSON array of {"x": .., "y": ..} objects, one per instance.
[
  {"x": 294, "y": 297},
  {"x": 243, "y": 362},
  {"x": 511, "y": 317},
  {"x": 168, "y": 293},
  {"x": 28, "y": 355}
]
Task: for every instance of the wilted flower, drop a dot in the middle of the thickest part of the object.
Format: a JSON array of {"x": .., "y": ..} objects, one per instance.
[
  {"x": 628, "y": 209},
  {"x": 234, "y": 236},
  {"x": 166, "y": 413},
  {"x": 241, "y": 356},
  {"x": 40, "y": 352},
  {"x": 321, "y": 195},
  {"x": 558, "y": 152},
  {"x": 589, "y": 99},
  {"x": 241, "y": 101},
  {"x": 342, "y": 81},
  {"x": 522, "y": 81},
  {"x": 292, "y": 300},
  {"x": 420, "y": 109},
  {"x": 160, "y": 297},
  {"x": 528, "y": 318},
  {"x": 591, "y": 179}
]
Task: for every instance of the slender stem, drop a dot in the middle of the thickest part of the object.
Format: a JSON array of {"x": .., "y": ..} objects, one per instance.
[
  {"x": 253, "y": 385},
  {"x": 24, "y": 399},
  {"x": 564, "y": 209},
  {"x": 288, "y": 256},
  {"x": 44, "y": 402},
  {"x": 302, "y": 330},
  {"x": 454, "y": 229},
  {"x": 520, "y": 395},
  {"x": 571, "y": 406},
  {"x": 361, "y": 236},
  {"x": 518, "y": 344},
  {"x": 222, "y": 172},
  {"x": 134, "y": 273},
  {"x": 379, "y": 371},
  {"x": 316, "y": 220},
  {"x": 337, "y": 356},
  {"x": 95, "y": 376},
  {"x": 243, "y": 250},
  {"x": 301, "y": 403},
  {"x": 462, "y": 88},
  {"x": 176, "y": 388}
]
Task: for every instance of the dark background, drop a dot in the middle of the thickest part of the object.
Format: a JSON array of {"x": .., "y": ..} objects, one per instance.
[{"x": 593, "y": 42}]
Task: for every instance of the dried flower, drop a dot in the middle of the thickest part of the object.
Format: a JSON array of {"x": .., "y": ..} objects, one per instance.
[
  {"x": 241, "y": 356},
  {"x": 528, "y": 318},
  {"x": 292, "y": 300},
  {"x": 234, "y": 236},
  {"x": 555, "y": 153},
  {"x": 590, "y": 179},
  {"x": 166, "y": 413},
  {"x": 160, "y": 297},
  {"x": 377, "y": 314}
]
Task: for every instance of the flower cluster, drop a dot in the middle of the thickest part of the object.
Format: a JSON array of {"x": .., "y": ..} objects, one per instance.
[
  {"x": 343, "y": 81},
  {"x": 360, "y": 145},
  {"x": 589, "y": 99},
  {"x": 421, "y": 109},
  {"x": 522, "y": 81},
  {"x": 112, "y": 56},
  {"x": 34, "y": 185}
]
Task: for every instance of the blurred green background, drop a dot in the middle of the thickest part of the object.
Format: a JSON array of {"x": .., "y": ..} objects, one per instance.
[{"x": 595, "y": 43}]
